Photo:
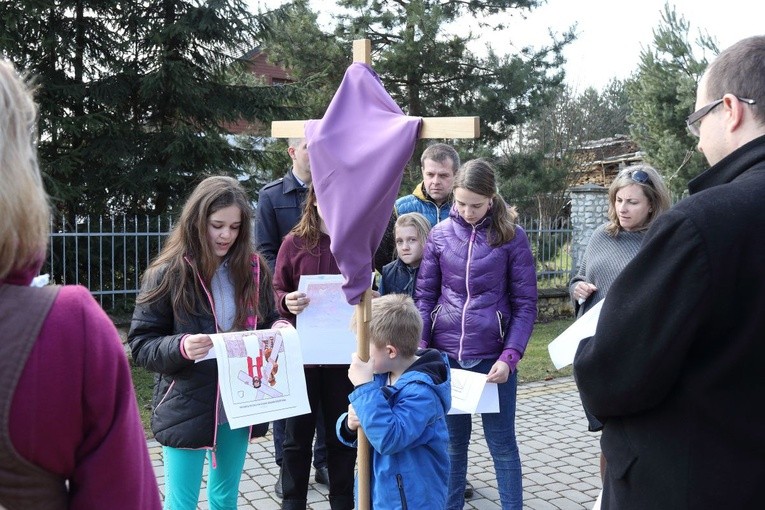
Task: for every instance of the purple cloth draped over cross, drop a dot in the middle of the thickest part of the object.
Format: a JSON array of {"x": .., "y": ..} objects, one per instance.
[{"x": 358, "y": 152}]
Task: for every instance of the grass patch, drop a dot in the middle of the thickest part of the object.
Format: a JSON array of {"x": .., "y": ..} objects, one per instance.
[
  {"x": 535, "y": 366},
  {"x": 143, "y": 381}
]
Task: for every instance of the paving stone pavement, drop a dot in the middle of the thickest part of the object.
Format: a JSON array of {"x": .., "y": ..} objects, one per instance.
[{"x": 558, "y": 455}]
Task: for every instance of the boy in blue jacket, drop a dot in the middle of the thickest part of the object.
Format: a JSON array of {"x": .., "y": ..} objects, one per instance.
[{"x": 401, "y": 398}]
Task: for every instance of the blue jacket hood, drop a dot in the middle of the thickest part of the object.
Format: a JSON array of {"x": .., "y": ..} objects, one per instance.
[{"x": 431, "y": 368}]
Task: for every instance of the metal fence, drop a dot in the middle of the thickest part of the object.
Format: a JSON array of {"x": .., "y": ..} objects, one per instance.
[
  {"x": 551, "y": 240},
  {"x": 108, "y": 255}
]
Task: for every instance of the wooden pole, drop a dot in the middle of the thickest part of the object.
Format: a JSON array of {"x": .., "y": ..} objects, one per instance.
[{"x": 364, "y": 310}]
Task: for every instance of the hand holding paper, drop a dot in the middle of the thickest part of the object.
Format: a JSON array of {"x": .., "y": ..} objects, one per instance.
[
  {"x": 472, "y": 394},
  {"x": 197, "y": 347}
]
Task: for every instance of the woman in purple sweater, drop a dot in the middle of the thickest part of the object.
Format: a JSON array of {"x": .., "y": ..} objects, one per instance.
[
  {"x": 70, "y": 433},
  {"x": 305, "y": 250},
  {"x": 477, "y": 295}
]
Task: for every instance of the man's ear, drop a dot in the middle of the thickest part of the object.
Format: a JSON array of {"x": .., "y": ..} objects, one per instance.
[
  {"x": 392, "y": 351},
  {"x": 736, "y": 110}
]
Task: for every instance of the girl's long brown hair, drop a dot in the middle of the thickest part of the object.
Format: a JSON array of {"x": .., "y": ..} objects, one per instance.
[
  {"x": 309, "y": 227},
  {"x": 188, "y": 244}
]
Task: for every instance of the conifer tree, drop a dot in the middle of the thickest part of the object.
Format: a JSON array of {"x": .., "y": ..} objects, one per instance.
[
  {"x": 663, "y": 95},
  {"x": 134, "y": 96}
]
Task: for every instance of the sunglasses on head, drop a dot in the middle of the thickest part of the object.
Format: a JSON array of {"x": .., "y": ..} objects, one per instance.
[{"x": 639, "y": 176}]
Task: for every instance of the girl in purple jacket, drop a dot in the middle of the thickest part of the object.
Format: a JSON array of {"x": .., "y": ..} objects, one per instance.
[{"x": 477, "y": 295}]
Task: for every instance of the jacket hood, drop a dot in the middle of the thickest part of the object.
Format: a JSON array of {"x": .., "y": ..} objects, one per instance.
[{"x": 431, "y": 368}]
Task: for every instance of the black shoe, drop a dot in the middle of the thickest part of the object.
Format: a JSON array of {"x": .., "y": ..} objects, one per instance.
[
  {"x": 468, "y": 490},
  {"x": 322, "y": 475},
  {"x": 278, "y": 485}
]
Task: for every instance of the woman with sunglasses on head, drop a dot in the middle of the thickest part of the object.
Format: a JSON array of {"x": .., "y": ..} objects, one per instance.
[{"x": 636, "y": 197}]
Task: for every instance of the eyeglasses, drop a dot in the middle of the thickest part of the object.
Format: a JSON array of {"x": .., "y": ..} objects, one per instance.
[
  {"x": 694, "y": 120},
  {"x": 639, "y": 176}
]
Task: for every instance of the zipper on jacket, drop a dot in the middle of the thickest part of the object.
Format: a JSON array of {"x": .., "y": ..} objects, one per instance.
[
  {"x": 215, "y": 430},
  {"x": 169, "y": 389},
  {"x": 217, "y": 390},
  {"x": 467, "y": 289},
  {"x": 433, "y": 317},
  {"x": 402, "y": 495},
  {"x": 207, "y": 293}
]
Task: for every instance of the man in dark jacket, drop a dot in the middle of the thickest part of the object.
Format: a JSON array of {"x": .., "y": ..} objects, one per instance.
[
  {"x": 280, "y": 202},
  {"x": 674, "y": 370},
  {"x": 280, "y": 205}
]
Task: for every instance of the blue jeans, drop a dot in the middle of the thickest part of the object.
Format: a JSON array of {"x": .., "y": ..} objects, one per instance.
[
  {"x": 183, "y": 472},
  {"x": 499, "y": 430}
]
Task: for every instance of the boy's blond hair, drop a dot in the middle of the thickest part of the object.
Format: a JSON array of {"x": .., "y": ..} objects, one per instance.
[{"x": 395, "y": 321}]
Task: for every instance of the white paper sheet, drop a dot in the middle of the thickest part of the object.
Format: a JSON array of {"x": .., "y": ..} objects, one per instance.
[
  {"x": 324, "y": 325},
  {"x": 471, "y": 394},
  {"x": 261, "y": 375},
  {"x": 563, "y": 348}
]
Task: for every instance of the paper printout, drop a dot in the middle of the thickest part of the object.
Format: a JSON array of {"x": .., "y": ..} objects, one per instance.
[
  {"x": 563, "y": 348},
  {"x": 324, "y": 325},
  {"x": 261, "y": 376},
  {"x": 471, "y": 394}
]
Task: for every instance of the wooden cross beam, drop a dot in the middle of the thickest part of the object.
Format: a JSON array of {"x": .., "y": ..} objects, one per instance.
[{"x": 432, "y": 127}]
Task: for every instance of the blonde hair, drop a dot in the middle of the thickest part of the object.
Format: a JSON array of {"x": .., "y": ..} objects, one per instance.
[
  {"x": 24, "y": 208},
  {"x": 418, "y": 221},
  {"x": 395, "y": 321}
]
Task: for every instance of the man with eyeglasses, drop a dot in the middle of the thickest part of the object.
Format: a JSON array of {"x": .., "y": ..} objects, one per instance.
[{"x": 674, "y": 370}]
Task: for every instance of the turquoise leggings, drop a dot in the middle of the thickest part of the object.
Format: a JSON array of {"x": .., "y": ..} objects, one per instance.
[{"x": 183, "y": 472}]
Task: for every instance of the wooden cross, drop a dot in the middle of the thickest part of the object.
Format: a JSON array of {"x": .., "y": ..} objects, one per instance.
[{"x": 431, "y": 127}]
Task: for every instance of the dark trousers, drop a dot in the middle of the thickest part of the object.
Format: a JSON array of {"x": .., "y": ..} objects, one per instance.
[
  {"x": 328, "y": 390},
  {"x": 319, "y": 448}
]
